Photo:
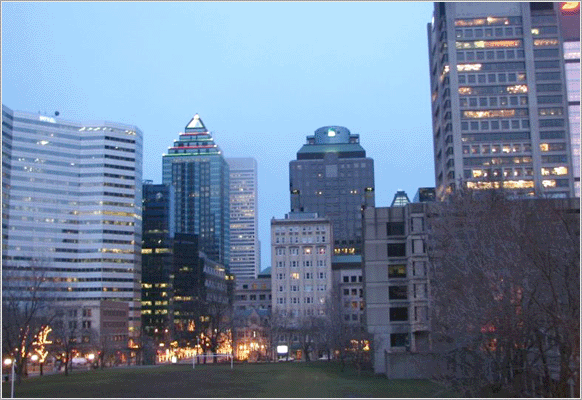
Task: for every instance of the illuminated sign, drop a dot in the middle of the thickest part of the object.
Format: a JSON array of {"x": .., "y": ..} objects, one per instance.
[
  {"x": 282, "y": 349},
  {"x": 46, "y": 119},
  {"x": 331, "y": 133}
]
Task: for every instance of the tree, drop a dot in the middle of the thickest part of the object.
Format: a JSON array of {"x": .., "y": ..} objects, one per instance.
[
  {"x": 219, "y": 326},
  {"x": 40, "y": 346},
  {"x": 309, "y": 331},
  {"x": 26, "y": 310},
  {"x": 506, "y": 292},
  {"x": 280, "y": 325},
  {"x": 337, "y": 332}
]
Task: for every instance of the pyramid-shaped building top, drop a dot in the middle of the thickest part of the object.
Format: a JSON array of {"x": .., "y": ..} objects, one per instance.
[
  {"x": 199, "y": 174},
  {"x": 196, "y": 125},
  {"x": 196, "y": 140}
]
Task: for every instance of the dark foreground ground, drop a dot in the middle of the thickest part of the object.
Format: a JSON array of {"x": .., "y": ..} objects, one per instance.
[{"x": 292, "y": 379}]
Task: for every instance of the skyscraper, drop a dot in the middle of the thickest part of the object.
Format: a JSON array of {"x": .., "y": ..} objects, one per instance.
[
  {"x": 157, "y": 260},
  {"x": 72, "y": 209},
  {"x": 569, "y": 16},
  {"x": 244, "y": 218},
  {"x": 499, "y": 102},
  {"x": 333, "y": 177},
  {"x": 199, "y": 173}
]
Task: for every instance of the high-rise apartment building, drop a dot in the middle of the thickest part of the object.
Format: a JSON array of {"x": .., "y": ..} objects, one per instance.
[
  {"x": 244, "y": 218},
  {"x": 499, "y": 100},
  {"x": 569, "y": 16},
  {"x": 333, "y": 177},
  {"x": 199, "y": 173},
  {"x": 71, "y": 209},
  {"x": 301, "y": 277}
]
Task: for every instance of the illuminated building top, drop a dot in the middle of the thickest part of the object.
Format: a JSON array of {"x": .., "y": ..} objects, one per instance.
[{"x": 195, "y": 140}]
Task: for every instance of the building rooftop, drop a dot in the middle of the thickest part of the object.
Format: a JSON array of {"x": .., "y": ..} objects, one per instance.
[
  {"x": 343, "y": 150},
  {"x": 331, "y": 139},
  {"x": 400, "y": 199}
]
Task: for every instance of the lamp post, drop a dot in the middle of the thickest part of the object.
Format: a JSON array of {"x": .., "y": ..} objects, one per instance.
[{"x": 9, "y": 361}]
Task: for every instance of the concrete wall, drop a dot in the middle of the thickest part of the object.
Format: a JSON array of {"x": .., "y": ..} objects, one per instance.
[{"x": 413, "y": 365}]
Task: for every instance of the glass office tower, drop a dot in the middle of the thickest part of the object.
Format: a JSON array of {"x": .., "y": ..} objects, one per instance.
[
  {"x": 569, "y": 16},
  {"x": 197, "y": 170},
  {"x": 333, "y": 177},
  {"x": 499, "y": 100}
]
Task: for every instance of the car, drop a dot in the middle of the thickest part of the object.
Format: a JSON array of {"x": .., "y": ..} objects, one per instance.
[{"x": 79, "y": 361}]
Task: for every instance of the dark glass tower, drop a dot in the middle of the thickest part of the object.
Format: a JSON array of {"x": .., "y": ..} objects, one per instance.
[
  {"x": 333, "y": 178},
  {"x": 157, "y": 259},
  {"x": 197, "y": 170}
]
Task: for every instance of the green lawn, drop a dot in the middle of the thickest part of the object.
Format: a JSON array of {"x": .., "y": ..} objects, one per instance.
[{"x": 296, "y": 379}]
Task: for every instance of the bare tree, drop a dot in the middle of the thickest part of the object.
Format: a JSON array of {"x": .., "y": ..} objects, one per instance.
[
  {"x": 279, "y": 326},
  {"x": 338, "y": 331},
  {"x": 66, "y": 334},
  {"x": 26, "y": 310},
  {"x": 506, "y": 292},
  {"x": 308, "y": 330},
  {"x": 219, "y": 325}
]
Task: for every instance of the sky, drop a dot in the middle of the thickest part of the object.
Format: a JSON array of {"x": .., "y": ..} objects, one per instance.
[{"x": 261, "y": 75}]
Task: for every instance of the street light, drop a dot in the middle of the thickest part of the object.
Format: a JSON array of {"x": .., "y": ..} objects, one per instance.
[
  {"x": 34, "y": 357},
  {"x": 8, "y": 361}
]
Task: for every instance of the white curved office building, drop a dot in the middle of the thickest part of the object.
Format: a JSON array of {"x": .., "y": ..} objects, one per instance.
[{"x": 71, "y": 209}]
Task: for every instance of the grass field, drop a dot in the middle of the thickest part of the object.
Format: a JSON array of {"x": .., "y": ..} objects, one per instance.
[{"x": 315, "y": 379}]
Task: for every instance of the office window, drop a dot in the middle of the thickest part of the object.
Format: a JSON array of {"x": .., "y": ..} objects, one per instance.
[
  {"x": 398, "y": 314},
  {"x": 397, "y": 250},
  {"x": 395, "y": 228},
  {"x": 398, "y": 292},
  {"x": 398, "y": 339},
  {"x": 396, "y": 271}
]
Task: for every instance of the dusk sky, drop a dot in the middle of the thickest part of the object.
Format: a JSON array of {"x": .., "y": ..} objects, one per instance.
[{"x": 262, "y": 76}]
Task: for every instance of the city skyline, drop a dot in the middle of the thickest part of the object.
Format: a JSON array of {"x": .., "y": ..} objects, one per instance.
[{"x": 256, "y": 80}]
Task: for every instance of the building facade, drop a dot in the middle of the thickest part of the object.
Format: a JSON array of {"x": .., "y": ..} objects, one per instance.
[
  {"x": 348, "y": 286},
  {"x": 253, "y": 293},
  {"x": 333, "y": 177},
  {"x": 198, "y": 171},
  {"x": 71, "y": 208},
  {"x": 301, "y": 278},
  {"x": 245, "y": 255},
  {"x": 157, "y": 259},
  {"x": 569, "y": 16},
  {"x": 396, "y": 281},
  {"x": 499, "y": 100},
  {"x": 99, "y": 330}
]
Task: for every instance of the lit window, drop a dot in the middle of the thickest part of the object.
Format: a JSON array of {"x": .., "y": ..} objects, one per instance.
[
  {"x": 545, "y": 42},
  {"x": 517, "y": 89},
  {"x": 468, "y": 67}
]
